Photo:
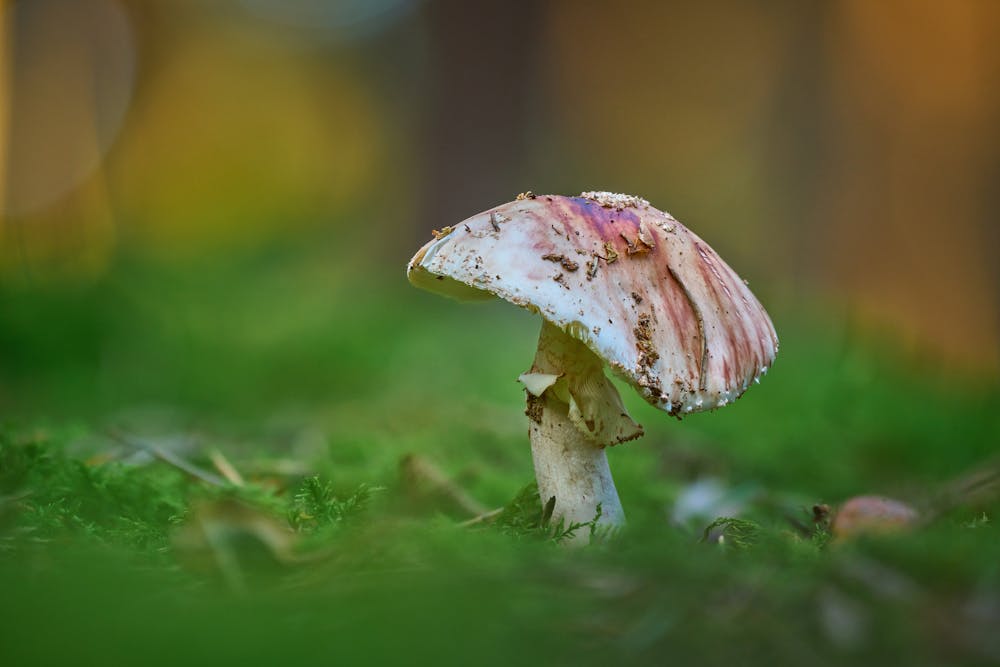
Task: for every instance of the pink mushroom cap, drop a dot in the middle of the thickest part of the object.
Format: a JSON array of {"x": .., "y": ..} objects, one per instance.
[{"x": 641, "y": 290}]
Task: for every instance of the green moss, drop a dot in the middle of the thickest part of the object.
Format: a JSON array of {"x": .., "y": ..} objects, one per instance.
[{"x": 316, "y": 390}]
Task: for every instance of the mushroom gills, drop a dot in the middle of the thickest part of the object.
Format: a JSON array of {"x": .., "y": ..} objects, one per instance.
[
  {"x": 569, "y": 371},
  {"x": 445, "y": 285}
]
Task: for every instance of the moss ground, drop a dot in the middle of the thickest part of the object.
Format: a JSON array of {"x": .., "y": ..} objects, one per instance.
[{"x": 369, "y": 421}]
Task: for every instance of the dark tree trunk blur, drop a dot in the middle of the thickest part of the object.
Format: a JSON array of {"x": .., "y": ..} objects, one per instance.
[{"x": 481, "y": 85}]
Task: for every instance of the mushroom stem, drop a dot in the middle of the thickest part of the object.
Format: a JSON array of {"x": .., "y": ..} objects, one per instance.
[
  {"x": 571, "y": 469},
  {"x": 575, "y": 413}
]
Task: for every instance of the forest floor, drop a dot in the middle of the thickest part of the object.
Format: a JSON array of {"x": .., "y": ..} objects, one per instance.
[{"x": 288, "y": 458}]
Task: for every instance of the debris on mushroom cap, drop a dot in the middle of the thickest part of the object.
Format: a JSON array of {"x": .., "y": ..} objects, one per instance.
[
  {"x": 694, "y": 339},
  {"x": 615, "y": 200},
  {"x": 566, "y": 262}
]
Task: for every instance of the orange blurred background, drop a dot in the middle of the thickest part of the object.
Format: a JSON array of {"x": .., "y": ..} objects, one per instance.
[{"x": 840, "y": 155}]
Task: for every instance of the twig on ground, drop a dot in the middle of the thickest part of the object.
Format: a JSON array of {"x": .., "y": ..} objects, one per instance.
[
  {"x": 419, "y": 471},
  {"x": 980, "y": 485},
  {"x": 227, "y": 469},
  {"x": 168, "y": 457},
  {"x": 482, "y": 518}
]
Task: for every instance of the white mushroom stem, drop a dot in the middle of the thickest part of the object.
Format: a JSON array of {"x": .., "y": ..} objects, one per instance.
[
  {"x": 575, "y": 413},
  {"x": 572, "y": 470}
]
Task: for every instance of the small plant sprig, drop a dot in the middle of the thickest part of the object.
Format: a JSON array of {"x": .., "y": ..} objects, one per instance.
[
  {"x": 560, "y": 532},
  {"x": 740, "y": 534},
  {"x": 47, "y": 494},
  {"x": 315, "y": 506},
  {"x": 525, "y": 516}
]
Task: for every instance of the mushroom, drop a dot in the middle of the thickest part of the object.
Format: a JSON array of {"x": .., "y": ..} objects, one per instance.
[{"x": 617, "y": 283}]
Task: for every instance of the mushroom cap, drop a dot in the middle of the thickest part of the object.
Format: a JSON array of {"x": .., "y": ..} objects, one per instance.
[{"x": 642, "y": 291}]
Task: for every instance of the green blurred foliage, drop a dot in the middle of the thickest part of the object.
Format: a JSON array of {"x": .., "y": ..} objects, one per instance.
[{"x": 298, "y": 358}]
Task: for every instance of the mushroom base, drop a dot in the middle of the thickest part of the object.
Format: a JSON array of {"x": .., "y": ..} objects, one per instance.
[
  {"x": 575, "y": 413},
  {"x": 569, "y": 467}
]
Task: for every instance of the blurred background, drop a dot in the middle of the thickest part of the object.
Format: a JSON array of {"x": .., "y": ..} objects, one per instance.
[
  {"x": 206, "y": 209},
  {"x": 841, "y": 156}
]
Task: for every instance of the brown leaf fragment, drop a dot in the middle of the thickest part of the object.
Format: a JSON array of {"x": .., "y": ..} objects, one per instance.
[
  {"x": 645, "y": 237},
  {"x": 442, "y": 233},
  {"x": 872, "y": 514},
  {"x": 561, "y": 279},
  {"x": 592, "y": 268},
  {"x": 641, "y": 249},
  {"x": 644, "y": 342},
  {"x": 629, "y": 246},
  {"x": 566, "y": 262},
  {"x": 526, "y": 195},
  {"x": 610, "y": 254},
  {"x": 637, "y": 247},
  {"x": 534, "y": 409}
]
